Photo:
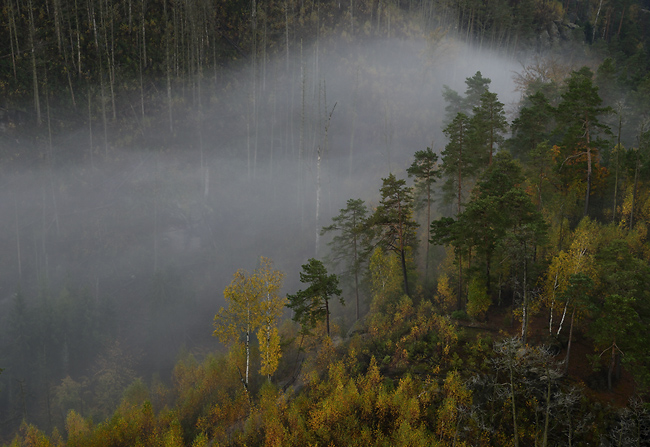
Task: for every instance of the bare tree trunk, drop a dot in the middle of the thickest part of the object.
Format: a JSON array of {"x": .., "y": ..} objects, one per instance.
[
  {"x": 32, "y": 43},
  {"x": 568, "y": 348},
  {"x": 301, "y": 144},
  {"x": 548, "y": 407},
  {"x": 155, "y": 221},
  {"x": 254, "y": 80},
  {"x": 525, "y": 317},
  {"x": 588, "y": 193},
  {"x": 13, "y": 35},
  {"x": 354, "y": 117},
  {"x": 90, "y": 128},
  {"x": 20, "y": 269},
  {"x": 612, "y": 364},
  {"x": 356, "y": 277},
  {"x": 168, "y": 71},
  {"x": 248, "y": 350},
  {"x": 319, "y": 157},
  {"x": 618, "y": 149},
  {"x": 593, "y": 34},
  {"x": 459, "y": 298},
  {"x": 327, "y": 316},
  {"x": 51, "y": 160},
  {"x": 634, "y": 189},
  {"x": 514, "y": 407}
]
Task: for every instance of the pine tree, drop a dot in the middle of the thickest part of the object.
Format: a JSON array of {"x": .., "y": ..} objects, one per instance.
[
  {"x": 312, "y": 304},
  {"x": 578, "y": 116},
  {"x": 393, "y": 220},
  {"x": 488, "y": 126},
  {"x": 425, "y": 169},
  {"x": 348, "y": 246}
]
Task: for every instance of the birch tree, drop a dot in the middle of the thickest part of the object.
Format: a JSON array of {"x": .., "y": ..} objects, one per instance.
[
  {"x": 270, "y": 281},
  {"x": 242, "y": 316}
]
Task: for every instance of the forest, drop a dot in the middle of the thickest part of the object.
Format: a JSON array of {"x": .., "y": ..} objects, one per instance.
[{"x": 362, "y": 222}]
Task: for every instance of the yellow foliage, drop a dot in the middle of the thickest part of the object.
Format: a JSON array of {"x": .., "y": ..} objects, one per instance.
[
  {"x": 75, "y": 426},
  {"x": 270, "y": 282},
  {"x": 173, "y": 436},
  {"x": 449, "y": 415},
  {"x": 254, "y": 304},
  {"x": 272, "y": 406},
  {"x": 386, "y": 279},
  {"x": 30, "y": 436},
  {"x": 445, "y": 298},
  {"x": 578, "y": 259}
]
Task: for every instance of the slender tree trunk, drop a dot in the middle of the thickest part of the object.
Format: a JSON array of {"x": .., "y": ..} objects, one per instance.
[
  {"x": 593, "y": 34},
  {"x": 103, "y": 102},
  {"x": 155, "y": 219},
  {"x": 354, "y": 117},
  {"x": 318, "y": 191},
  {"x": 588, "y": 149},
  {"x": 406, "y": 282},
  {"x": 13, "y": 35},
  {"x": 254, "y": 80},
  {"x": 248, "y": 349},
  {"x": 612, "y": 365},
  {"x": 548, "y": 407},
  {"x": 459, "y": 298},
  {"x": 78, "y": 36},
  {"x": 634, "y": 189},
  {"x": 90, "y": 128},
  {"x": 426, "y": 259},
  {"x": 168, "y": 76},
  {"x": 32, "y": 43},
  {"x": 618, "y": 149},
  {"x": 20, "y": 269},
  {"x": 356, "y": 276},
  {"x": 514, "y": 408},
  {"x": 301, "y": 143},
  {"x": 568, "y": 348},
  {"x": 524, "y": 322},
  {"x": 327, "y": 316}
]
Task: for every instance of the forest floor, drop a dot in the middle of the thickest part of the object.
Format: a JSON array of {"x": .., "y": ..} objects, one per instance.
[{"x": 581, "y": 372}]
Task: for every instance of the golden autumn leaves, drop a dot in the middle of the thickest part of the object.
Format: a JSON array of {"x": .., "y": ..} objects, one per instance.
[{"x": 254, "y": 305}]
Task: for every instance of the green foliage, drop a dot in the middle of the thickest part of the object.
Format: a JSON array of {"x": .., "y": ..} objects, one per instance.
[
  {"x": 393, "y": 221},
  {"x": 488, "y": 124},
  {"x": 532, "y": 127},
  {"x": 349, "y": 246},
  {"x": 580, "y": 130},
  {"x": 312, "y": 304},
  {"x": 460, "y": 315}
]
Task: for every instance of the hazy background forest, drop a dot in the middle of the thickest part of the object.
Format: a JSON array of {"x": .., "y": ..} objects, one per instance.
[{"x": 149, "y": 149}]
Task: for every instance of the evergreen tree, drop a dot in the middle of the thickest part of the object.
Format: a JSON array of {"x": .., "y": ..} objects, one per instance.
[
  {"x": 348, "y": 246},
  {"x": 488, "y": 126},
  {"x": 458, "y": 160},
  {"x": 531, "y": 127},
  {"x": 312, "y": 304},
  {"x": 477, "y": 85},
  {"x": 425, "y": 169},
  {"x": 578, "y": 118},
  {"x": 393, "y": 220}
]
